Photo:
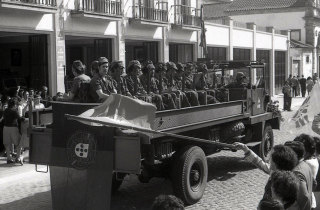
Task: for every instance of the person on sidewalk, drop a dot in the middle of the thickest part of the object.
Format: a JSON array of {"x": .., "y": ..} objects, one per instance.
[
  {"x": 287, "y": 96},
  {"x": 11, "y": 134},
  {"x": 303, "y": 85},
  {"x": 294, "y": 85},
  {"x": 298, "y": 86},
  {"x": 309, "y": 84}
]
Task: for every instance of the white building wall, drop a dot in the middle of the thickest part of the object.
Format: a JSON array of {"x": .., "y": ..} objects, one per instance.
[
  {"x": 242, "y": 38},
  {"x": 20, "y": 20},
  {"x": 217, "y": 35},
  {"x": 264, "y": 41},
  {"x": 281, "y": 21},
  {"x": 280, "y": 42}
]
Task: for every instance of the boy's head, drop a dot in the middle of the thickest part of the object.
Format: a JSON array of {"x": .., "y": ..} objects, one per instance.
[
  {"x": 297, "y": 147},
  {"x": 284, "y": 186},
  {"x": 309, "y": 144},
  {"x": 168, "y": 202},
  {"x": 283, "y": 158}
]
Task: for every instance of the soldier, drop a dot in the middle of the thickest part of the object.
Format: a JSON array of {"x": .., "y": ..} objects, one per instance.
[
  {"x": 150, "y": 84},
  {"x": 189, "y": 84},
  {"x": 176, "y": 85},
  {"x": 101, "y": 86},
  {"x": 169, "y": 98},
  {"x": 133, "y": 82},
  {"x": 116, "y": 72},
  {"x": 211, "y": 96},
  {"x": 240, "y": 82}
]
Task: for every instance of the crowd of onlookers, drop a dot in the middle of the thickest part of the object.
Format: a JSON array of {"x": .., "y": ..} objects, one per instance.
[
  {"x": 293, "y": 169},
  {"x": 14, "y": 107},
  {"x": 295, "y": 86}
]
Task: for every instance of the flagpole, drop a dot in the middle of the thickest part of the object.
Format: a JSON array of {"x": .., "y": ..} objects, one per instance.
[{"x": 73, "y": 117}]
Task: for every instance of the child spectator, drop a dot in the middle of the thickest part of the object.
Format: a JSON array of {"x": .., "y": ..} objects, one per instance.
[
  {"x": 11, "y": 133},
  {"x": 167, "y": 202},
  {"x": 304, "y": 173},
  {"x": 310, "y": 158},
  {"x": 281, "y": 158},
  {"x": 284, "y": 187}
]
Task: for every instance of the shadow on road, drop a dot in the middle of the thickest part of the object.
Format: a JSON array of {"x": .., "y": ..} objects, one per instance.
[
  {"x": 37, "y": 201},
  {"x": 222, "y": 168}
]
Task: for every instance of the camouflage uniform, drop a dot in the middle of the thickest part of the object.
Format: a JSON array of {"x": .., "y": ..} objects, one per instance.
[
  {"x": 191, "y": 94},
  {"x": 176, "y": 85},
  {"x": 170, "y": 99},
  {"x": 150, "y": 83},
  {"x": 119, "y": 82},
  {"x": 202, "y": 85}
]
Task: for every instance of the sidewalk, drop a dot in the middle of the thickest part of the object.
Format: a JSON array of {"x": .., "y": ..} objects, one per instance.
[{"x": 296, "y": 102}]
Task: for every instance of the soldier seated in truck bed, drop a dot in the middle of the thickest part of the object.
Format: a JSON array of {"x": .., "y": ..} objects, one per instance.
[{"x": 240, "y": 82}]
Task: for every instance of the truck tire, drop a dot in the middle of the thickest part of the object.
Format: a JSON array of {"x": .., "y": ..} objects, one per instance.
[
  {"x": 266, "y": 143},
  {"x": 189, "y": 174}
]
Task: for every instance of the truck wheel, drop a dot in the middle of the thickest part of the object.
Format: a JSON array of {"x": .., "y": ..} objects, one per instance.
[
  {"x": 266, "y": 143},
  {"x": 189, "y": 174}
]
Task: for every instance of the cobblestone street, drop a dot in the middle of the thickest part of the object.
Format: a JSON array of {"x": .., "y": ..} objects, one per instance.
[{"x": 232, "y": 182}]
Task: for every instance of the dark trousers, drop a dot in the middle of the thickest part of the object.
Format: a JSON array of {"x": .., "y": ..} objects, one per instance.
[
  {"x": 303, "y": 91},
  {"x": 294, "y": 91},
  {"x": 287, "y": 102}
]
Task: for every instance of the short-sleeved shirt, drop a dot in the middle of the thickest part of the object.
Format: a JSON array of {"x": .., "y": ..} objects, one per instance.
[
  {"x": 77, "y": 83},
  {"x": 101, "y": 83}
]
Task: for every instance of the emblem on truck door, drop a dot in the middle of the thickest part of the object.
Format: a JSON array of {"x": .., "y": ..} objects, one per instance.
[{"x": 81, "y": 149}]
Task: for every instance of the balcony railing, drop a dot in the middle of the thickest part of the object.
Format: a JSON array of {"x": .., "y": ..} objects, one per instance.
[
  {"x": 108, "y": 7},
  {"x": 185, "y": 15},
  {"x": 50, "y": 3},
  {"x": 158, "y": 13}
]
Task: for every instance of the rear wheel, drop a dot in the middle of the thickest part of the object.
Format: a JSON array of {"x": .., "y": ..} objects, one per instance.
[
  {"x": 189, "y": 174},
  {"x": 266, "y": 143}
]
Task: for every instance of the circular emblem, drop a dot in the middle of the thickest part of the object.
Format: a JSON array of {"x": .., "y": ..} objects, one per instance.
[{"x": 81, "y": 150}]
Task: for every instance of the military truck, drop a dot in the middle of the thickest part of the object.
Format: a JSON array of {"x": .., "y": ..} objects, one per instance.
[{"x": 90, "y": 159}]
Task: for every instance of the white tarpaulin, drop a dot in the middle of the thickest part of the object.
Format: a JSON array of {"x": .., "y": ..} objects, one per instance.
[{"x": 123, "y": 111}]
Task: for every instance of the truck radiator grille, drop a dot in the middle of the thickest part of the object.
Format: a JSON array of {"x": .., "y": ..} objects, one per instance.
[{"x": 163, "y": 151}]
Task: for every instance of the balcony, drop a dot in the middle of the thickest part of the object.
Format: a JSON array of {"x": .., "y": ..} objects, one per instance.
[
  {"x": 44, "y": 6},
  {"x": 185, "y": 16},
  {"x": 105, "y": 9},
  {"x": 157, "y": 15}
]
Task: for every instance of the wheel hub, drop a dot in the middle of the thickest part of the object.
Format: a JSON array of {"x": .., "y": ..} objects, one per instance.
[{"x": 195, "y": 176}]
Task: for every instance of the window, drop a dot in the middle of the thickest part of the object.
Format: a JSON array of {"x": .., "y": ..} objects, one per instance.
[{"x": 295, "y": 34}]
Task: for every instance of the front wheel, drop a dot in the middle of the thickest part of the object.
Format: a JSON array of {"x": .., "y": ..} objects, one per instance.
[
  {"x": 266, "y": 143},
  {"x": 189, "y": 174}
]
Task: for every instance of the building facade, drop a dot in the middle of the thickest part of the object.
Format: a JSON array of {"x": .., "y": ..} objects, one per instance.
[
  {"x": 40, "y": 39},
  {"x": 300, "y": 17}
]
